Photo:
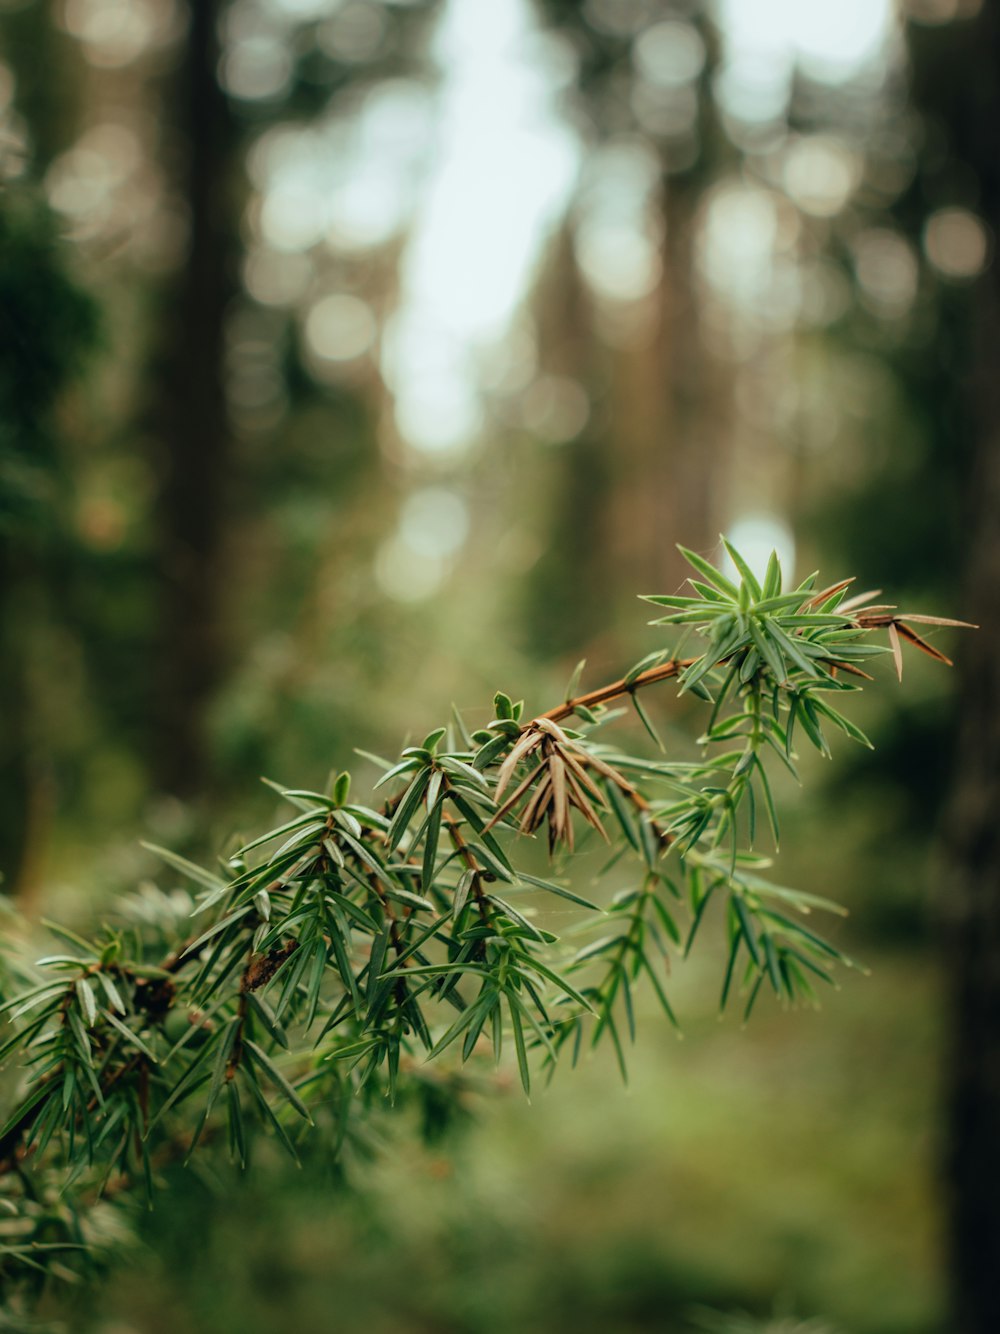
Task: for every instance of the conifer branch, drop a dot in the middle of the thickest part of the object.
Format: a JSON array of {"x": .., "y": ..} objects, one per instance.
[{"x": 340, "y": 951}]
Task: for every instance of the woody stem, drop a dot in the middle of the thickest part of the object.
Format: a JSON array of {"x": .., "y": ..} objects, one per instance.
[{"x": 665, "y": 672}]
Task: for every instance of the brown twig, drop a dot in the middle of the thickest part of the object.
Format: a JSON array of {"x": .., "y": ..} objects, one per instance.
[
  {"x": 468, "y": 858},
  {"x": 617, "y": 689}
]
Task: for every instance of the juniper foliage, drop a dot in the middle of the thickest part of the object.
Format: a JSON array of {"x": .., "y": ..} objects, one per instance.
[{"x": 361, "y": 953}]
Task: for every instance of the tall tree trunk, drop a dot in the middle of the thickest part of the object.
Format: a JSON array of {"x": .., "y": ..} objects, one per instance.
[
  {"x": 46, "y": 326},
  {"x": 956, "y": 76},
  {"x": 665, "y": 487},
  {"x": 972, "y": 1162},
  {"x": 574, "y": 480},
  {"x": 192, "y": 423}
]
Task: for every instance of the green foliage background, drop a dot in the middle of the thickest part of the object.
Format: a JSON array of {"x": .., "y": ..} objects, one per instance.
[{"x": 787, "y": 1168}]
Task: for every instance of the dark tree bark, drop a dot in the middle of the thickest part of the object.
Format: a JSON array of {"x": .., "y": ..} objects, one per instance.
[
  {"x": 46, "y": 327},
  {"x": 972, "y": 908},
  {"x": 972, "y": 1163},
  {"x": 957, "y": 79},
  {"x": 191, "y": 422}
]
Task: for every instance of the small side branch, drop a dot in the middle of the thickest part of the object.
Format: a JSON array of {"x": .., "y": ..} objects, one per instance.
[{"x": 617, "y": 689}]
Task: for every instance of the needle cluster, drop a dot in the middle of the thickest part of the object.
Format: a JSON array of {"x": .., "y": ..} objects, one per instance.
[{"x": 362, "y": 952}]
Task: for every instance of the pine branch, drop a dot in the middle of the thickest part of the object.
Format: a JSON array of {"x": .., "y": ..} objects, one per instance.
[{"x": 337, "y": 953}]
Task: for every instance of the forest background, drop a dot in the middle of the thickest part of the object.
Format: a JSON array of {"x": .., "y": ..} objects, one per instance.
[{"x": 359, "y": 358}]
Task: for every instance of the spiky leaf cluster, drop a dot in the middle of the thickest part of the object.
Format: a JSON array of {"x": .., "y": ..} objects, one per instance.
[{"x": 362, "y": 952}]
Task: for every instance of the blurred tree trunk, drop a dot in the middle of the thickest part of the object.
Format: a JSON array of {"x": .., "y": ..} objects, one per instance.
[
  {"x": 972, "y": 909},
  {"x": 643, "y": 475},
  {"x": 972, "y": 1162},
  {"x": 666, "y": 483},
  {"x": 956, "y": 74},
  {"x": 640, "y": 477},
  {"x": 190, "y": 411},
  {"x": 46, "y": 327},
  {"x": 574, "y": 479}
]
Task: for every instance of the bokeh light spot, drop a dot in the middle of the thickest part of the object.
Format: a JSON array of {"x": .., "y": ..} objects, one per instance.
[
  {"x": 256, "y": 68},
  {"x": 434, "y": 522},
  {"x": 407, "y": 575},
  {"x": 555, "y": 409},
  {"x": 820, "y": 174},
  {"x": 957, "y": 243},
  {"x": 755, "y": 535},
  {"x": 340, "y": 328},
  {"x": 887, "y": 271},
  {"x": 669, "y": 53}
]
